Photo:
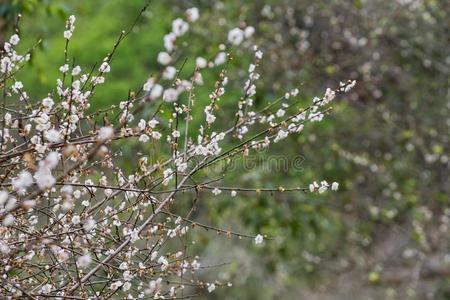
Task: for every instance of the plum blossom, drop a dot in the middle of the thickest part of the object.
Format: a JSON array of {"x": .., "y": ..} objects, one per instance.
[
  {"x": 105, "y": 133},
  {"x": 14, "y": 39},
  {"x": 67, "y": 34},
  {"x": 156, "y": 91},
  {"x": 115, "y": 285},
  {"x": 144, "y": 138},
  {"x": 201, "y": 63},
  {"x": 84, "y": 261},
  {"x": 169, "y": 41},
  {"x": 167, "y": 175},
  {"x": 22, "y": 182},
  {"x": 149, "y": 85},
  {"x": 211, "y": 287},
  {"x": 152, "y": 123},
  {"x": 169, "y": 73},
  {"x": 259, "y": 239},
  {"x": 43, "y": 176},
  {"x": 105, "y": 67},
  {"x": 179, "y": 27},
  {"x": 53, "y": 136},
  {"x": 249, "y": 31},
  {"x": 164, "y": 58},
  {"x": 76, "y": 71},
  {"x": 216, "y": 191},
  {"x": 170, "y": 95},
  {"x": 334, "y": 186},
  {"x": 64, "y": 68},
  {"x": 192, "y": 14},
  {"x": 220, "y": 59},
  {"x": 236, "y": 36}
]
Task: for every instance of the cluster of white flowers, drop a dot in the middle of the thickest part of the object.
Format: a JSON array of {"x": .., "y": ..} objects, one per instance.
[
  {"x": 237, "y": 35},
  {"x": 11, "y": 60},
  {"x": 7, "y": 204},
  {"x": 105, "y": 133},
  {"x": 43, "y": 176},
  {"x": 324, "y": 185},
  {"x": 70, "y": 27},
  {"x": 216, "y": 191},
  {"x": 22, "y": 182}
]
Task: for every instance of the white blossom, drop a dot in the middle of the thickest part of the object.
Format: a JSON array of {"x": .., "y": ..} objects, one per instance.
[
  {"x": 216, "y": 191},
  {"x": 105, "y": 133},
  {"x": 48, "y": 102},
  {"x": 235, "y": 36},
  {"x": 44, "y": 178},
  {"x": 179, "y": 27},
  {"x": 22, "y": 182},
  {"x": 6, "y": 65},
  {"x": 282, "y": 134},
  {"x": 144, "y": 138},
  {"x": 156, "y": 135},
  {"x": 192, "y": 14},
  {"x": 89, "y": 224},
  {"x": 164, "y": 262},
  {"x": 211, "y": 287},
  {"x": 167, "y": 176},
  {"x": 17, "y": 86},
  {"x": 210, "y": 118},
  {"x": 115, "y": 285},
  {"x": 3, "y": 197},
  {"x": 8, "y": 220},
  {"x": 220, "y": 59},
  {"x": 4, "y": 248},
  {"x": 169, "y": 73},
  {"x": 334, "y": 186},
  {"x": 142, "y": 124},
  {"x": 280, "y": 113},
  {"x": 170, "y": 95},
  {"x": 67, "y": 34},
  {"x": 64, "y": 68},
  {"x": 126, "y": 286},
  {"x": 201, "y": 63},
  {"x": 169, "y": 41},
  {"x": 249, "y": 31},
  {"x": 104, "y": 68},
  {"x": 156, "y": 91},
  {"x": 149, "y": 84},
  {"x": 46, "y": 288},
  {"x": 14, "y": 39},
  {"x": 53, "y": 136},
  {"x": 152, "y": 123},
  {"x": 176, "y": 134},
  {"x": 76, "y": 220},
  {"x": 84, "y": 261},
  {"x": 259, "y": 239},
  {"x": 76, "y": 71},
  {"x": 164, "y": 58},
  {"x": 329, "y": 95}
]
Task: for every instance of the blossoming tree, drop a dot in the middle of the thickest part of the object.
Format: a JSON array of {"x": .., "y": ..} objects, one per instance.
[{"x": 74, "y": 222}]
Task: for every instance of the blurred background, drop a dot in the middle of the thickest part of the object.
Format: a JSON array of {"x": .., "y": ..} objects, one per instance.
[{"x": 385, "y": 233}]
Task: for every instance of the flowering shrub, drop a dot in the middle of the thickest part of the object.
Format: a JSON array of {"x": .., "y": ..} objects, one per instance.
[
  {"x": 385, "y": 235},
  {"x": 75, "y": 223}
]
